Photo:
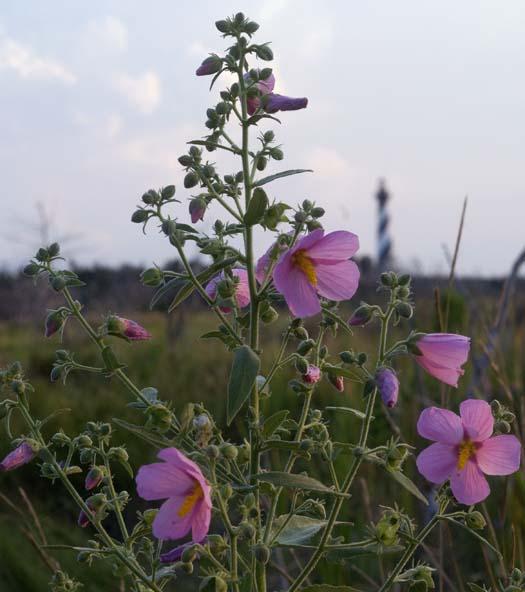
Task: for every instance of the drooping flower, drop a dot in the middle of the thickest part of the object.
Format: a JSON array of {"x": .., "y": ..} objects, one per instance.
[
  {"x": 388, "y": 386},
  {"x": 272, "y": 102},
  {"x": 240, "y": 290},
  {"x": 317, "y": 265},
  {"x": 312, "y": 375},
  {"x": 442, "y": 355},
  {"x": 211, "y": 65},
  {"x": 464, "y": 450},
  {"x": 21, "y": 455},
  {"x": 119, "y": 326},
  {"x": 197, "y": 209},
  {"x": 181, "y": 483}
]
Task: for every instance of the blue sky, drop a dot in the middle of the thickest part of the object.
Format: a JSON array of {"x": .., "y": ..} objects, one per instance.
[{"x": 99, "y": 98}]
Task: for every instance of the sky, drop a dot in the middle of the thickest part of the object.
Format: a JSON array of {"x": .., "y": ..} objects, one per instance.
[{"x": 98, "y": 100}]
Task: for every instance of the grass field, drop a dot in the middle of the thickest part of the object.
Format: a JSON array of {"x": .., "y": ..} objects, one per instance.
[{"x": 186, "y": 369}]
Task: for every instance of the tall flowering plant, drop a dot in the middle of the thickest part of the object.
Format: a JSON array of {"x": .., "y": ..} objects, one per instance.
[{"x": 233, "y": 511}]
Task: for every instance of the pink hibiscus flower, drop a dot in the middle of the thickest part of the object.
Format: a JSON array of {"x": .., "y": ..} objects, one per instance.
[
  {"x": 465, "y": 450},
  {"x": 242, "y": 289},
  {"x": 442, "y": 355},
  {"x": 181, "y": 482},
  {"x": 317, "y": 265}
]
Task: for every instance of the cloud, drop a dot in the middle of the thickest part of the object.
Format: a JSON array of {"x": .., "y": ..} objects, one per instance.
[
  {"x": 144, "y": 92},
  {"x": 22, "y": 60},
  {"x": 109, "y": 31}
]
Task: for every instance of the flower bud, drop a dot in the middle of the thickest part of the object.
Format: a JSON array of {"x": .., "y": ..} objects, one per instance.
[
  {"x": 337, "y": 382},
  {"x": 388, "y": 279},
  {"x": 301, "y": 364},
  {"x": 404, "y": 309},
  {"x": 361, "y": 316},
  {"x": 305, "y": 346},
  {"x": 213, "y": 451},
  {"x": 21, "y": 455},
  {"x": 152, "y": 277},
  {"x": 246, "y": 530},
  {"x": 140, "y": 216},
  {"x": 475, "y": 520},
  {"x": 263, "y": 52},
  {"x": 211, "y": 65},
  {"x": 118, "y": 454},
  {"x": 94, "y": 478},
  {"x": 269, "y": 315},
  {"x": 262, "y": 553},
  {"x": 32, "y": 269},
  {"x": 149, "y": 515},
  {"x": 229, "y": 451},
  {"x": 54, "y": 322},
  {"x": 190, "y": 180},
  {"x": 300, "y": 333},
  {"x": 388, "y": 386}
]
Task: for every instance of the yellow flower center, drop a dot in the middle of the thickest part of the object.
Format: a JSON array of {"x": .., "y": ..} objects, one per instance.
[
  {"x": 190, "y": 500},
  {"x": 301, "y": 260},
  {"x": 467, "y": 450}
]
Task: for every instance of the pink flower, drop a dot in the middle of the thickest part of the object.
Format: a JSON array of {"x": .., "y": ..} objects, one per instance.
[
  {"x": 21, "y": 455},
  {"x": 116, "y": 325},
  {"x": 271, "y": 102},
  {"x": 313, "y": 375},
  {"x": 265, "y": 261},
  {"x": 388, "y": 386},
  {"x": 241, "y": 291},
  {"x": 317, "y": 265},
  {"x": 181, "y": 482},
  {"x": 442, "y": 355},
  {"x": 464, "y": 450}
]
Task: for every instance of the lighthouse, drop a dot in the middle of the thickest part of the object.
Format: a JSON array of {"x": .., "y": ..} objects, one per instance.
[{"x": 384, "y": 242}]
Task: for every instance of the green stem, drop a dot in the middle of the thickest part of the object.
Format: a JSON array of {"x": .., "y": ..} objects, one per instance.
[{"x": 116, "y": 503}]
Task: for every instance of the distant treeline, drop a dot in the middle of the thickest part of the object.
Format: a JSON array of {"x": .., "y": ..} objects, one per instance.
[{"x": 119, "y": 290}]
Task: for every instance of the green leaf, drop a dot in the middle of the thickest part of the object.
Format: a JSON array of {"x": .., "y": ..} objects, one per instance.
[
  {"x": 271, "y": 178},
  {"x": 257, "y": 207},
  {"x": 349, "y": 410},
  {"x": 273, "y": 422},
  {"x": 340, "y": 371},
  {"x": 295, "y": 481},
  {"x": 164, "y": 289},
  {"x": 408, "y": 484},
  {"x": 155, "y": 440},
  {"x": 300, "y": 529},
  {"x": 244, "y": 371},
  {"x": 214, "y": 144}
]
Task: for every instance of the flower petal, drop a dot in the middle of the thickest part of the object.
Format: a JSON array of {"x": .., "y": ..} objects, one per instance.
[
  {"x": 469, "y": 485},
  {"x": 440, "y": 425},
  {"x": 168, "y": 524},
  {"x": 446, "y": 374},
  {"x": 477, "y": 419},
  {"x": 500, "y": 455},
  {"x": 299, "y": 294},
  {"x": 162, "y": 480},
  {"x": 335, "y": 246},
  {"x": 445, "y": 349},
  {"x": 437, "y": 462},
  {"x": 309, "y": 240},
  {"x": 338, "y": 281},
  {"x": 180, "y": 461},
  {"x": 201, "y": 521}
]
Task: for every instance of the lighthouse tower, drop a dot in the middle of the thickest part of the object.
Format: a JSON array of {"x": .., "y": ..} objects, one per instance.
[{"x": 384, "y": 242}]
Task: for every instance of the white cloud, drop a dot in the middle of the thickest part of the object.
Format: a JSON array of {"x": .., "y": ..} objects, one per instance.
[
  {"x": 144, "y": 92},
  {"x": 113, "y": 125},
  {"x": 109, "y": 31},
  {"x": 28, "y": 65}
]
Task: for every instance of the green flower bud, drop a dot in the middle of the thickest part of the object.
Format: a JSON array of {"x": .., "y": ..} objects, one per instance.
[
  {"x": 301, "y": 364},
  {"x": 140, "y": 216},
  {"x": 190, "y": 180},
  {"x": 185, "y": 160},
  {"x": 263, "y": 52},
  {"x": 229, "y": 451},
  {"x": 149, "y": 515},
  {"x": 168, "y": 192},
  {"x": 261, "y": 163},
  {"x": 213, "y": 451},
  {"x": 246, "y": 530},
  {"x": 32, "y": 269},
  {"x": 475, "y": 520},
  {"x": 404, "y": 309},
  {"x": 262, "y": 553},
  {"x": 152, "y": 277}
]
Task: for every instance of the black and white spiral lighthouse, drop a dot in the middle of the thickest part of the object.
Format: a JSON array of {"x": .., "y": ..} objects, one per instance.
[{"x": 384, "y": 242}]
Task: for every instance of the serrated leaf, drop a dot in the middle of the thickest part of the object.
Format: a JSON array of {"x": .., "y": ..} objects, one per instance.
[
  {"x": 257, "y": 207},
  {"x": 245, "y": 367},
  {"x": 295, "y": 481},
  {"x": 300, "y": 529},
  {"x": 271, "y": 178},
  {"x": 349, "y": 410},
  {"x": 273, "y": 422},
  {"x": 408, "y": 484}
]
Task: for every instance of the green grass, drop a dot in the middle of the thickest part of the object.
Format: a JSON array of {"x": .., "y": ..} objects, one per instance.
[{"x": 189, "y": 369}]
